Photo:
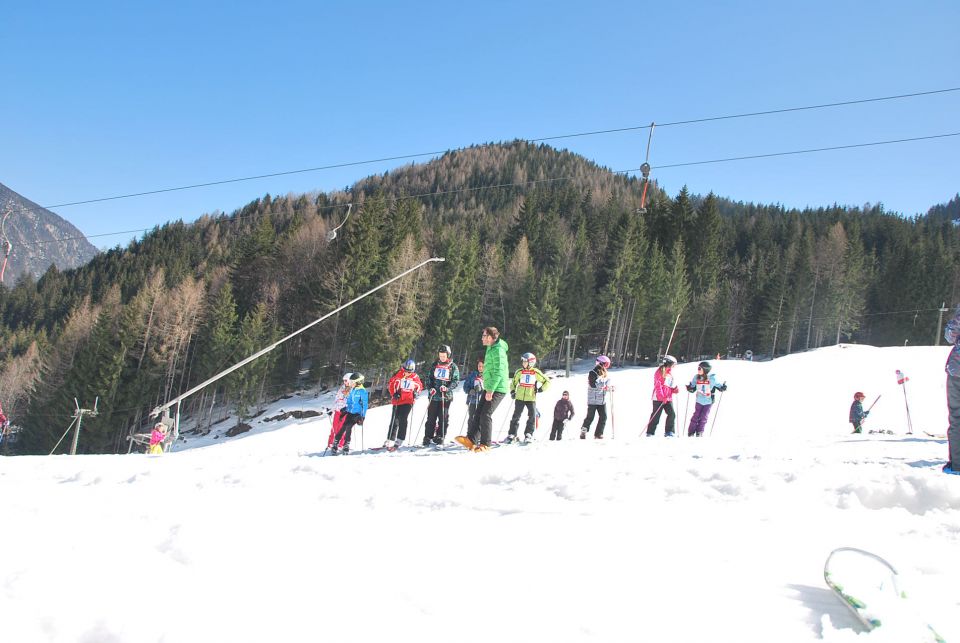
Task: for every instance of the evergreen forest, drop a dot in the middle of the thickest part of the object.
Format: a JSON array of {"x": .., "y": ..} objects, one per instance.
[{"x": 537, "y": 242}]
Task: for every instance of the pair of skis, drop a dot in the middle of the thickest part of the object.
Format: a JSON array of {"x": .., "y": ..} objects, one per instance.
[{"x": 870, "y": 587}]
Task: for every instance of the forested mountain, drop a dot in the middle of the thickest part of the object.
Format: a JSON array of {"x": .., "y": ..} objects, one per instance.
[
  {"x": 38, "y": 238},
  {"x": 536, "y": 241}
]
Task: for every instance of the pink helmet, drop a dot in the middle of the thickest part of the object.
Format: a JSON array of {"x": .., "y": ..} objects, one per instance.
[{"x": 603, "y": 361}]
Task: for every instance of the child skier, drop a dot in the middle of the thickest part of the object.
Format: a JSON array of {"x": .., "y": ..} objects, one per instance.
[
  {"x": 473, "y": 387},
  {"x": 404, "y": 387},
  {"x": 598, "y": 384},
  {"x": 526, "y": 382},
  {"x": 157, "y": 436},
  {"x": 355, "y": 411},
  {"x": 857, "y": 414},
  {"x": 562, "y": 413},
  {"x": 663, "y": 390},
  {"x": 704, "y": 383},
  {"x": 339, "y": 403},
  {"x": 443, "y": 379}
]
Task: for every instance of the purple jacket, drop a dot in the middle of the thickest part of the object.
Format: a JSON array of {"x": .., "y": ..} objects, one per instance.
[{"x": 563, "y": 410}]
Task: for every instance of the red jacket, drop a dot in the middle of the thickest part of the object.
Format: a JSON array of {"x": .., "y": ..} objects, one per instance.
[
  {"x": 663, "y": 386},
  {"x": 407, "y": 384}
]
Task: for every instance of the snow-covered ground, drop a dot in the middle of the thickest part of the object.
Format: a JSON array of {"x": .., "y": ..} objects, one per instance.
[{"x": 258, "y": 538}]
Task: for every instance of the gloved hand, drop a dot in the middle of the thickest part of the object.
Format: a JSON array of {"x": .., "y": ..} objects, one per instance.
[
  {"x": 433, "y": 392},
  {"x": 513, "y": 395},
  {"x": 360, "y": 421},
  {"x": 478, "y": 385},
  {"x": 691, "y": 388},
  {"x": 866, "y": 413},
  {"x": 722, "y": 387},
  {"x": 396, "y": 395},
  {"x": 675, "y": 389},
  {"x": 443, "y": 389}
]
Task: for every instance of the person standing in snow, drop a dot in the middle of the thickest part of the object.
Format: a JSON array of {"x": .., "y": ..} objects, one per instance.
[
  {"x": 527, "y": 381},
  {"x": 857, "y": 414},
  {"x": 704, "y": 383},
  {"x": 339, "y": 404},
  {"x": 403, "y": 387},
  {"x": 442, "y": 380},
  {"x": 598, "y": 385},
  {"x": 495, "y": 384},
  {"x": 562, "y": 413},
  {"x": 952, "y": 334},
  {"x": 663, "y": 391},
  {"x": 358, "y": 402},
  {"x": 473, "y": 387}
]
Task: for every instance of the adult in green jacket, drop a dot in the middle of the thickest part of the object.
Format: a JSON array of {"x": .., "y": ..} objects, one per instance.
[{"x": 496, "y": 381}]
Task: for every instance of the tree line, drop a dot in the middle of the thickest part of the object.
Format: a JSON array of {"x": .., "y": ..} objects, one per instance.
[{"x": 558, "y": 244}]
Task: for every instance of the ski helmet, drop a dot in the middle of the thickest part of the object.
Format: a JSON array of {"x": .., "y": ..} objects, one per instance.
[
  {"x": 409, "y": 366},
  {"x": 668, "y": 360},
  {"x": 444, "y": 349},
  {"x": 356, "y": 378},
  {"x": 529, "y": 359},
  {"x": 603, "y": 361},
  {"x": 705, "y": 366},
  {"x": 858, "y": 395},
  {"x": 347, "y": 376}
]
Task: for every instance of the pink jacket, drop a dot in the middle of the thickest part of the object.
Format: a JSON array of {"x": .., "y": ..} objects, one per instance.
[
  {"x": 157, "y": 436},
  {"x": 663, "y": 388}
]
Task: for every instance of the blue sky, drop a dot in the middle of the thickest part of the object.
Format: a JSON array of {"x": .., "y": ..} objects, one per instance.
[{"x": 110, "y": 98}]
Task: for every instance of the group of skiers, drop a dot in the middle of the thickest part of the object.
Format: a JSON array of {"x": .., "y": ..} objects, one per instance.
[{"x": 486, "y": 387}]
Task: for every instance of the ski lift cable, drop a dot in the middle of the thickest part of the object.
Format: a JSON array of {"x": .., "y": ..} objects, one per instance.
[
  {"x": 530, "y": 140},
  {"x": 564, "y": 178}
]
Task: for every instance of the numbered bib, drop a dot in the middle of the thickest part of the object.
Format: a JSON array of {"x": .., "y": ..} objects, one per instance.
[
  {"x": 441, "y": 373},
  {"x": 407, "y": 385},
  {"x": 528, "y": 380}
]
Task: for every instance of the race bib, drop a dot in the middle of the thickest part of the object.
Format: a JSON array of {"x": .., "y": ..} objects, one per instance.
[
  {"x": 528, "y": 380},
  {"x": 441, "y": 373},
  {"x": 407, "y": 385}
]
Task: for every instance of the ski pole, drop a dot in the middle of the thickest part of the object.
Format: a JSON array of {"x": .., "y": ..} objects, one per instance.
[
  {"x": 685, "y": 410},
  {"x": 423, "y": 415},
  {"x": 506, "y": 416},
  {"x": 613, "y": 421},
  {"x": 716, "y": 413},
  {"x": 443, "y": 417},
  {"x": 874, "y": 402}
]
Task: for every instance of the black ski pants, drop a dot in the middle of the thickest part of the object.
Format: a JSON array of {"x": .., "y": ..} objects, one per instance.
[
  {"x": 658, "y": 409},
  {"x": 438, "y": 417},
  {"x": 398, "y": 422},
  {"x": 518, "y": 406},
  {"x": 601, "y": 411},
  {"x": 480, "y": 428},
  {"x": 346, "y": 429},
  {"x": 556, "y": 431}
]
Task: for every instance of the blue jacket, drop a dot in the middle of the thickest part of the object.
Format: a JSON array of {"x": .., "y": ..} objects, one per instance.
[
  {"x": 704, "y": 388},
  {"x": 357, "y": 401},
  {"x": 952, "y": 334},
  {"x": 473, "y": 386}
]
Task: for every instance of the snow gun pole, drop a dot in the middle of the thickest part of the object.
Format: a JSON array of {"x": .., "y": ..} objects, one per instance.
[
  {"x": 716, "y": 413},
  {"x": 902, "y": 381},
  {"x": 272, "y": 346}
]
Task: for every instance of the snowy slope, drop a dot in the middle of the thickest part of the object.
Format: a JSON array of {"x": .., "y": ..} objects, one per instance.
[{"x": 257, "y": 538}]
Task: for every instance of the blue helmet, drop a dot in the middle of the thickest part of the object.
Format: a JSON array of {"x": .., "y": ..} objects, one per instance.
[{"x": 409, "y": 366}]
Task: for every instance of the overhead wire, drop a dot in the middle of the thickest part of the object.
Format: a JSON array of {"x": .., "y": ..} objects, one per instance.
[{"x": 532, "y": 140}]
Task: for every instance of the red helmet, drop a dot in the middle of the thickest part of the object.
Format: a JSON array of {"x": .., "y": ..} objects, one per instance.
[{"x": 858, "y": 395}]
